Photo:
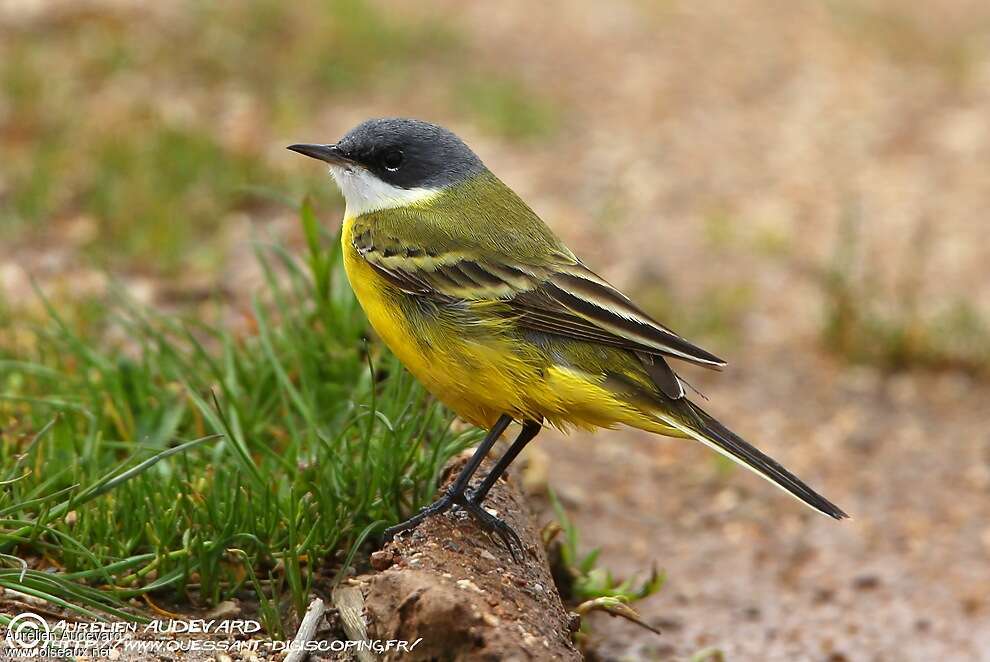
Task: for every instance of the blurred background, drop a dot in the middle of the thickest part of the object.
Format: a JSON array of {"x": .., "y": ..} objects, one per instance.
[{"x": 800, "y": 187}]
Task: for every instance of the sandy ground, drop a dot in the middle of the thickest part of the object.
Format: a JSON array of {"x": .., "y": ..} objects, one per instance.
[
  {"x": 780, "y": 117},
  {"x": 755, "y": 574}
]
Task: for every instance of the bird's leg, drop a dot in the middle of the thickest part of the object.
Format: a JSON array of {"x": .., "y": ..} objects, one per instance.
[
  {"x": 472, "y": 504},
  {"x": 455, "y": 493},
  {"x": 491, "y": 524},
  {"x": 529, "y": 431}
]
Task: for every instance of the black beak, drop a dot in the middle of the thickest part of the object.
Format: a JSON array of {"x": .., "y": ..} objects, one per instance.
[{"x": 328, "y": 153}]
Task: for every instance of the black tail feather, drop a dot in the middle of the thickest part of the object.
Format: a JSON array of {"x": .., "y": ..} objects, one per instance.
[{"x": 733, "y": 445}]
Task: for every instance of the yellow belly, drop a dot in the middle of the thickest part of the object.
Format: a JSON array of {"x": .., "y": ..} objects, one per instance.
[
  {"x": 486, "y": 375},
  {"x": 474, "y": 386}
]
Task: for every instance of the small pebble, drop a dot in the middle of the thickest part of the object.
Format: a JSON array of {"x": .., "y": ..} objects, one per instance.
[
  {"x": 866, "y": 582},
  {"x": 382, "y": 560},
  {"x": 467, "y": 584},
  {"x": 226, "y": 609}
]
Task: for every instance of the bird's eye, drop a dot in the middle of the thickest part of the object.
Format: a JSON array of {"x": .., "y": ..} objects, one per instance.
[{"x": 392, "y": 159}]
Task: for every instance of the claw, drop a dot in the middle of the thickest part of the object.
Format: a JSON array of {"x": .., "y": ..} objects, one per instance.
[
  {"x": 486, "y": 521},
  {"x": 441, "y": 505},
  {"x": 491, "y": 524}
]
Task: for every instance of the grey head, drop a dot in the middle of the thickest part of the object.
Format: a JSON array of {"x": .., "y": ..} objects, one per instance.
[{"x": 405, "y": 153}]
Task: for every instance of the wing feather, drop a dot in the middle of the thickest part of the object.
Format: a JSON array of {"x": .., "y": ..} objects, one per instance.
[{"x": 566, "y": 299}]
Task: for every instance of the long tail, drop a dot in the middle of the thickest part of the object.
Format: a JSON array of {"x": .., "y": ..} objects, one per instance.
[{"x": 696, "y": 423}]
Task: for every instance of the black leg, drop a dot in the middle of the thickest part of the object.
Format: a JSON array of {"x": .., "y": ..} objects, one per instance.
[
  {"x": 464, "y": 478},
  {"x": 455, "y": 493},
  {"x": 527, "y": 434}
]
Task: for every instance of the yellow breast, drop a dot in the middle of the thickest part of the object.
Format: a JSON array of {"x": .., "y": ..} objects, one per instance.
[
  {"x": 487, "y": 373},
  {"x": 471, "y": 379}
]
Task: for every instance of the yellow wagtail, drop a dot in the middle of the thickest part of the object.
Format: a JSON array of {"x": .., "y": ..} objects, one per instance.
[{"x": 497, "y": 317}]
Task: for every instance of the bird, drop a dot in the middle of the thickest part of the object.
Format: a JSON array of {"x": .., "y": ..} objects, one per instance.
[{"x": 499, "y": 319}]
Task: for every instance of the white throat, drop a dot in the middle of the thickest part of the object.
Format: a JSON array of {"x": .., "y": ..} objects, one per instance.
[{"x": 364, "y": 192}]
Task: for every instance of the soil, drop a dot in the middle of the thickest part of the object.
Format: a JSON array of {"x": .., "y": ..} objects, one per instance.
[
  {"x": 714, "y": 151},
  {"x": 756, "y": 575}
]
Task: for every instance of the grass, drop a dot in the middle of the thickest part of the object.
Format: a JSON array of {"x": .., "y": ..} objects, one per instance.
[
  {"x": 159, "y": 143},
  {"x": 713, "y": 319},
  {"x": 507, "y": 108},
  {"x": 192, "y": 463},
  {"x": 183, "y": 460},
  {"x": 582, "y": 579},
  {"x": 900, "y": 332},
  {"x": 156, "y": 126},
  {"x": 907, "y": 37},
  {"x": 584, "y": 584},
  {"x": 168, "y": 174}
]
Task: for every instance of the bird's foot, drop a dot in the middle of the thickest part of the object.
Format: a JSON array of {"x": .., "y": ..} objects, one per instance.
[
  {"x": 491, "y": 524},
  {"x": 486, "y": 521},
  {"x": 441, "y": 505}
]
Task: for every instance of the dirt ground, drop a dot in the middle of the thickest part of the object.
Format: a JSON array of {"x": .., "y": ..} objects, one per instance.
[
  {"x": 779, "y": 117},
  {"x": 758, "y": 576}
]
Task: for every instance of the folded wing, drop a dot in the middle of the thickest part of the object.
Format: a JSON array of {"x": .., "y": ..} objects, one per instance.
[{"x": 565, "y": 299}]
